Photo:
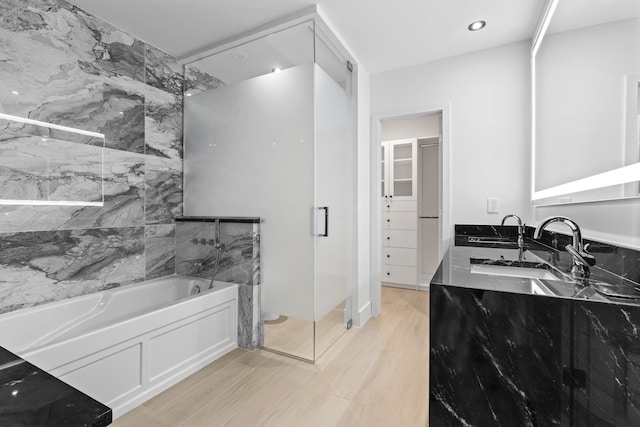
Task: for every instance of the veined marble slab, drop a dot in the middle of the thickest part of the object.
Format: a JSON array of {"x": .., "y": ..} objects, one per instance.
[
  {"x": 163, "y": 71},
  {"x": 62, "y": 65},
  {"x": 239, "y": 263},
  {"x": 236, "y": 263},
  {"x": 163, "y": 123},
  {"x": 45, "y": 266},
  {"x": 47, "y": 169},
  {"x": 250, "y": 324},
  {"x": 163, "y": 188},
  {"x": 197, "y": 81},
  {"x": 123, "y": 197},
  {"x": 160, "y": 253}
]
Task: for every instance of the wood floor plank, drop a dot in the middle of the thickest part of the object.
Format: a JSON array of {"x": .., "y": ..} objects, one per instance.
[{"x": 376, "y": 375}]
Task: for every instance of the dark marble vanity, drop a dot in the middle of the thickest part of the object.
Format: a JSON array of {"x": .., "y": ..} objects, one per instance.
[
  {"x": 30, "y": 397},
  {"x": 532, "y": 351}
]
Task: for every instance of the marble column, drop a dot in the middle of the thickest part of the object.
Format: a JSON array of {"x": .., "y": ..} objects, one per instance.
[{"x": 239, "y": 263}]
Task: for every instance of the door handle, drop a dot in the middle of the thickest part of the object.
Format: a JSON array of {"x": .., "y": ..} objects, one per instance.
[{"x": 326, "y": 221}]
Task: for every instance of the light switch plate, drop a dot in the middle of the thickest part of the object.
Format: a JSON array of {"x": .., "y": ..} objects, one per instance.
[{"x": 492, "y": 205}]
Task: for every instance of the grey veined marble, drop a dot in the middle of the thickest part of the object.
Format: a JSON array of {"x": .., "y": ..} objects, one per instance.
[
  {"x": 163, "y": 98},
  {"x": 47, "y": 169},
  {"x": 236, "y": 263},
  {"x": 123, "y": 190},
  {"x": 62, "y": 65},
  {"x": 250, "y": 326},
  {"x": 160, "y": 250},
  {"x": 239, "y": 263},
  {"x": 197, "y": 80},
  {"x": 45, "y": 266},
  {"x": 163, "y": 71},
  {"x": 163, "y": 189},
  {"x": 163, "y": 124}
]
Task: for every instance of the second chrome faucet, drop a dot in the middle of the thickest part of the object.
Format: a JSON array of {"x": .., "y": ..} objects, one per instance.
[
  {"x": 581, "y": 259},
  {"x": 520, "y": 233}
]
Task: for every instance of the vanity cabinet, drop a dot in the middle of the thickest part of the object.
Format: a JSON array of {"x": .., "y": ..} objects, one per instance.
[
  {"x": 606, "y": 348},
  {"x": 506, "y": 359}
]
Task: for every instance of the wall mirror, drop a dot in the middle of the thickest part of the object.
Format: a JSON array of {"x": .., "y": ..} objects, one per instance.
[{"x": 586, "y": 96}]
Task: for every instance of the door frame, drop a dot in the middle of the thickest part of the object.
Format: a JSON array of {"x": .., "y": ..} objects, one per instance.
[{"x": 375, "y": 206}]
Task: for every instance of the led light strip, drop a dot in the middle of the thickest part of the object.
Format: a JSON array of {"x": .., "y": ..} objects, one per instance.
[
  {"x": 48, "y": 203},
  {"x": 618, "y": 176},
  {"x": 50, "y": 125}
]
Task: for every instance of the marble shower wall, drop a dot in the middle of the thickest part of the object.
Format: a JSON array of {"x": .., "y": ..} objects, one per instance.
[
  {"x": 62, "y": 65},
  {"x": 239, "y": 262}
]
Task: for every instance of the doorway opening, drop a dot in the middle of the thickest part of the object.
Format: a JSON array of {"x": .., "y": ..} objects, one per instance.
[{"x": 410, "y": 207}]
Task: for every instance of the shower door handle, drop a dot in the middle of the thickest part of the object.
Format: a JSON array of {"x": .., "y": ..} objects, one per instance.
[{"x": 326, "y": 221}]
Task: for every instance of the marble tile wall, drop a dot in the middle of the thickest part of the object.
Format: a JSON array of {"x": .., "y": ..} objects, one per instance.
[
  {"x": 62, "y": 65},
  {"x": 239, "y": 263}
]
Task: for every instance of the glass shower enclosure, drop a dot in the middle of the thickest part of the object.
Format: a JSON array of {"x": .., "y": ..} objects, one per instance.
[{"x": 268, "y": 134}]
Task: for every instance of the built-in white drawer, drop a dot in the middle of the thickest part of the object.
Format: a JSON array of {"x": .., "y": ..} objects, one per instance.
[
  {"x": 399, "y": 221},
  {"x": 400, "y": 238},
  {"x": 400, "y": 256},
  {"x": 399, "y": 205},
  {"x": 399, "y": 274}
]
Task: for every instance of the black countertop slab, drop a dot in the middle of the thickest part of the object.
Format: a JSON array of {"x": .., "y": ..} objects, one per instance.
[
  {"x": 456, "y": 269},
  {"x": 611, "y": 260},
  {"x": 502, "y": 354},
  {"x": 31, "y": 397},
  {"x": 496, "y": 242}
]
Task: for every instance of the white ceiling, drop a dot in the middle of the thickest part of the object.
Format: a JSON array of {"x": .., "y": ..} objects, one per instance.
[{"x": 382, "y": 34}]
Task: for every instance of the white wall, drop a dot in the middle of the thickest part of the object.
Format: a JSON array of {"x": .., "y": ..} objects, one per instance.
[
  {"x": 489, "y": 95},
  {"x": 423, "y": 126},
  {"x": 362, "y": 307}
]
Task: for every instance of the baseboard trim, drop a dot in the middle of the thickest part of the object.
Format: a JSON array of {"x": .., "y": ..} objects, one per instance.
[
  {"x": 424, "y": 287},
  {"x": 363, "y": 315}
]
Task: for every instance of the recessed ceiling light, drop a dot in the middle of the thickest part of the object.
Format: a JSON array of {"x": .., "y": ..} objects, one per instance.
[
  {"x": 476, "y": 25},
  {"x": 276, "y": 70},
  {"x": 15, "y": 92}
]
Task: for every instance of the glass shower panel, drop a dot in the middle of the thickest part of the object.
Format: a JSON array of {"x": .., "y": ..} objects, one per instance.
[
  {"x": 249, "y": 151},
  {"x": 335, "y": 197},
  {"x": 275, "y": 52}
]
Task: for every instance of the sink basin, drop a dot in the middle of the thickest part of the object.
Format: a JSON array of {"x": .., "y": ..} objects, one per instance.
[
  {"x": 524, "y": 269},
  {"x": 616, "y": 291},
  {"x": 499, "y": 270}
]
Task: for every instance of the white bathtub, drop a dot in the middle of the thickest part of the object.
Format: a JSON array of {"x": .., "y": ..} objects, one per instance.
[{"x": 125, "y": 345}]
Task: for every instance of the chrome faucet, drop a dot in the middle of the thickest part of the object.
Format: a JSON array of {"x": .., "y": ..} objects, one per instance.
[
  {"x": 581, "y": 259},
  {"x": 520, "y": 232}
]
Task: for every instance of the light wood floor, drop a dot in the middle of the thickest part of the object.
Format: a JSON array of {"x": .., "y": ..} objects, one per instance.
[
  {"x": 295, "y": 336},
  {"x": 376, "y": 375}
]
